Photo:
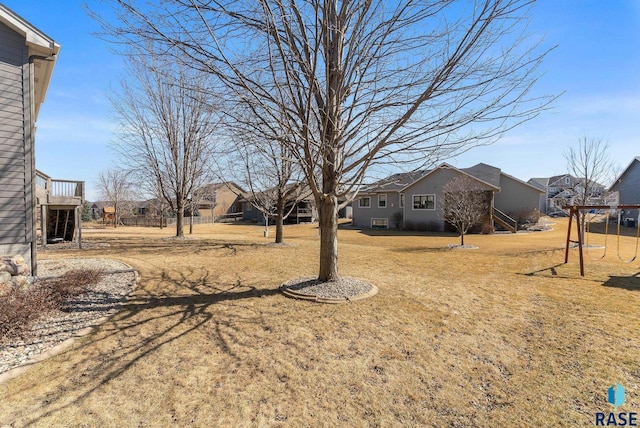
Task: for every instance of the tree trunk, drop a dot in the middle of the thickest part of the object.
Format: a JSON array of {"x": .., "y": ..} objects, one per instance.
[
  {"x": 191, "y": 223},
  {"x": 179, "y": 219},
  {"x": 328, "y": 222},
  {"x": 266, "y": 225},
  {"x": 279, "y": 219},
  {"x": 462, "y": 239}
]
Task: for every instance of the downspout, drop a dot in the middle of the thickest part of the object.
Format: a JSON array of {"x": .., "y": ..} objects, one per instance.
[{"x": 32, "y": 145}]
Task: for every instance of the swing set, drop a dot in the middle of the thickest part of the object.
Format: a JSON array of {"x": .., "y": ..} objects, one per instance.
[{"x": 575, "y": 211}]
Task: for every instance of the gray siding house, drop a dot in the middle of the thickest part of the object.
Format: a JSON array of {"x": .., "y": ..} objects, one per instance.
[
  {"x": 627, "y": 187},
  {"x": 411, "y": 200},
  {"x": 27, "y": 58},
  {"x": 565, "y": 189}
]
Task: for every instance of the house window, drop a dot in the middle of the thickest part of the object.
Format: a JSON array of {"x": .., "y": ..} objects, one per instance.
[
  {"x": 424, "y": 202},
  {"x": 401, "y": 200},
  {"x": 379, "y": 223},
  {"x": 364, "y": 202},
  {"x": 382, "y": 201},
  {"x": 248, "y": 207}
]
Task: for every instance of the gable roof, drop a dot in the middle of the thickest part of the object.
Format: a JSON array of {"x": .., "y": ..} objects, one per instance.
[
  {"x": 42, "y": 49},
  {"x": 616, "y": 183},
  {"x": 463, "y": 172},
  {"x": 487, "y": 173},
  {"x": 540, "y": 183},
  {"x": 395, "y": 182}
]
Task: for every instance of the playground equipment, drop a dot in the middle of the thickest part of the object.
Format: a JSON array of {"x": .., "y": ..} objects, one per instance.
[
  {"x": 587, "y": 230},
  {"x": 575, "y": 211}
]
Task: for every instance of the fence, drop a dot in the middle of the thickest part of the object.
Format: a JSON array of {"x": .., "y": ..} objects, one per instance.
[{"x": 144, "y": 221}]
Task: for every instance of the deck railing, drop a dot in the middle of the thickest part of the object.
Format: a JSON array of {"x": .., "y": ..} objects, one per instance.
[{"x": 60, "y": 188}]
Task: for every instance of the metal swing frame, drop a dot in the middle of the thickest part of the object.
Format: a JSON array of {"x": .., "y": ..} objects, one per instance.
[{"x": 574, "y": 211}]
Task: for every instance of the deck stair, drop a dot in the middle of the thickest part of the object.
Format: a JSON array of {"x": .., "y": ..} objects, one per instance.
[{"x": 504, "y": 220}]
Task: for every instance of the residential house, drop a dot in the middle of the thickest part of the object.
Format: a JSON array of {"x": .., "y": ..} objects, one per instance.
[
  {"x": 300, "y": 204},
  {"x": 27, "y": 58},
  {"x": 411, "y": 200},
  {"x": 563, "y": 190},
  {"x": 220, "y": 200},
  {"x": 627, "y": 189}
]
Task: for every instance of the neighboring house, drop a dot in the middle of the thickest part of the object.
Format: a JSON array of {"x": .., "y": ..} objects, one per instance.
[
  {"x": 301, "y": 205},
  {"x": 59, "y": 208},
  {"x": 27, "y": 58},
  {"x": 563, "y": 190},
  {"x": 411, "y": 200},
  {"x": 627, "y": 189},
  {"x": 221, "y": 200}
]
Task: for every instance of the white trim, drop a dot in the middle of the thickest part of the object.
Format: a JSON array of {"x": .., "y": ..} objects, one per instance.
[
  {"x": 413, "y": 206},
  {"x": 386, "y": 220},
  {"x": 361, "y": 199},
  {"x": 386, "y": 200}
]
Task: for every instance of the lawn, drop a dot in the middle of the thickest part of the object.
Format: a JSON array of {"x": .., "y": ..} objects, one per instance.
[{"x": 503, "y": 335}]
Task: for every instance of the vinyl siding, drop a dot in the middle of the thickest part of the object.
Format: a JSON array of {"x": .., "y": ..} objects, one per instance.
[
  {"x": 362, "y": 216},
  {"x": 629, "y": 186},
  {"x": 629, "y": 189},
  {"x": 432, "y": 184},
  {"x": 16, "y": 230},
  {"x": 515, "y": 197}
]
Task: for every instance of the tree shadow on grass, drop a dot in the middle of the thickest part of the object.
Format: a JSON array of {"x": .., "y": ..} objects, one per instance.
[
  {"x": 189, "y": 304},
  {"x": 631, "y": 282}
]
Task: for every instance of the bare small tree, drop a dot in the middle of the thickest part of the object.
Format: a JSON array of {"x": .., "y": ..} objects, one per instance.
[
  {"x": 270, "y": 172},
  {"x": 589, "y": 162},
  {"x": 166, "y": 126},
  {"x": 464, "y": 204},
  {"x": 115, "y": 188},
  {"x": 355, "y": 84}
]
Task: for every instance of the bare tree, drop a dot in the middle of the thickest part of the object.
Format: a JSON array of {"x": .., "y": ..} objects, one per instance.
[
  {"x": 115, "y": 188},
  {"x": 357, "y": 84},
  {"x": 271, "y": 173},
  {"x": 464, "y": 204},
  {"x": 166, "y": 127},
  {"x": 589, "y": 162}
]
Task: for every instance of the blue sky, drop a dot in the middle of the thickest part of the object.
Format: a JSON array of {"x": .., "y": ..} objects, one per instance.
[{"x": 596, "y": 64}]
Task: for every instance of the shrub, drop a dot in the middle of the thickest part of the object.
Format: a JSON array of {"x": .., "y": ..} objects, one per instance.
[
  {"x": 396, "y": 219},
  {"x": 526, "y": 216},
  {"x": 21, "y": 307},
  {"x": 487, "y": 229}
]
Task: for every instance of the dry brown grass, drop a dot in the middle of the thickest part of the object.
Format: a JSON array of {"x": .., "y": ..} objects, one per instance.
[{"x": 505, "y": 335}]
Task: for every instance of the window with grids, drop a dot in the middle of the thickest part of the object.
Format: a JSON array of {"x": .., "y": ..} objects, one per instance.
[
  {"x": 424, "y": 202},
  {"x": 382, "y": 201},
  {"x": 364, "y": 202}
]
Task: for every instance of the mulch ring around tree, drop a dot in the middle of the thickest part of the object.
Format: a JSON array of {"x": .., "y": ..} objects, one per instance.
[{"x": 343, "y": 290}]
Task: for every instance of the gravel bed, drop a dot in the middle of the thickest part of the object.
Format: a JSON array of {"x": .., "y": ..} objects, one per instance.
[
  {"x": 73, "y": 246},
  {"x": 80, "y": 312},
  {"x": 345, "y": 287}
]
